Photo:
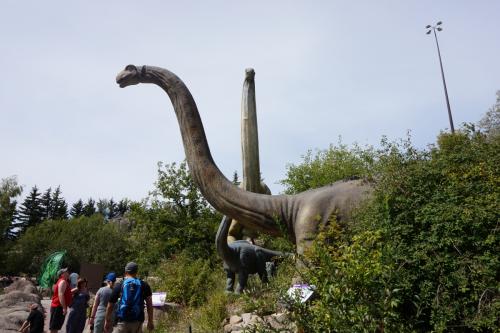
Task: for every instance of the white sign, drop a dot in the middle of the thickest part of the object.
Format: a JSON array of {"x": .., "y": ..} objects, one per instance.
[
  {"x": 159, "y": 298},
  {"x": 301, "y": 292}
]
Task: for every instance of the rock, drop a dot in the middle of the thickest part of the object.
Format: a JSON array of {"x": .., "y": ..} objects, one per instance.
[
  {"x": 235, "y": 320},
  {"x": 228, "y": 328},
  {"x": 160, "y": 312},
  {"x": 246, "y": 318},
  {"x": 14, "y": 304}
]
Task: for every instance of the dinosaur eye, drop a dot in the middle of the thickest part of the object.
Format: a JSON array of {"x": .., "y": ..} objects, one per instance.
[{"x": 130, "y": 68}]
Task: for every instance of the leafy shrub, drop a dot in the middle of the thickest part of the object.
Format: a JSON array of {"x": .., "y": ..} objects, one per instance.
[
  {"x": 329, "y": 165},
  {"x": 86, "y": 239},
  {"x": 210, "y": 316},
  {"x": 185, "y": 280},
  {"x": 424, "y": 255}
]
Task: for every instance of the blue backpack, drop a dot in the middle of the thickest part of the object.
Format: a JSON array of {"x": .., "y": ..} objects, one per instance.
[{"x": 131, "y": 304}]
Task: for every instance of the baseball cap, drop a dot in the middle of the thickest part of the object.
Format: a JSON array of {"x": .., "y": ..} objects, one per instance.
[
  {"x": 131, "y": 267},
  {"x": 111, "y": 277},
  {"x": 62, "y": 270}
]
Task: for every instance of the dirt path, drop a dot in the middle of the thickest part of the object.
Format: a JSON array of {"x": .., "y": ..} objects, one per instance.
[{"x": 46, "y": 306}]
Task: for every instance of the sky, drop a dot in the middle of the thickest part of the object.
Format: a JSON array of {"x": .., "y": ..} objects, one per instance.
[{"x": 355, "y": 70}]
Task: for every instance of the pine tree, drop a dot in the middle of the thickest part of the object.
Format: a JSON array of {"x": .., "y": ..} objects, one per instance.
[
  {"x": 112, "y": 209},
  {"x": 31, "y": 212},
  {"x": 123, "y": 207},
  {"x": 89, "y": 208},
  {"x": 77, "y": 209},
  {"x": 235, "y": 178},
  {"x": 46, "y": 204},
  {"x": 102, "y": 208},
  {"x": 60, "y": 207},
  {"x": 9, "y": 189}
]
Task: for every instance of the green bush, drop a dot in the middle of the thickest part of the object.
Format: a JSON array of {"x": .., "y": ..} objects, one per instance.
[
  {"x": 210, "y": 316},
  {"x": 424, "y": 255},
  {"x": 86, "y": 239},
  {"x": 187, "y": 281}
]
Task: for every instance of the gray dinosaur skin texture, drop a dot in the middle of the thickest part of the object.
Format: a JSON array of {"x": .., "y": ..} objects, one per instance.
[
  {"x": 300, "y": 216},
  {"x": 242, "y": 258}
]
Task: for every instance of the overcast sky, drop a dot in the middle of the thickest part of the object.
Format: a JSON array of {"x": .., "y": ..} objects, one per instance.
[{"x": 324, "y": 69}]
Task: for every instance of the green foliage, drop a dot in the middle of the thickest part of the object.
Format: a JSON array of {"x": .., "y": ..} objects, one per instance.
[
  {"x": 354, "y": 285},
  {"x": 31, "y": 211},
  {"x": 328, "y": 166},
  {"x": 441, "y": 214},
  {"x": 178, "y": 219},
  {"x": 424, "y": 255},
  {"x": 9, "y": 190},
  {"x": 185, "y": 280},
  {"x": 89, "y": 208},
  {"x": 490, "y": 123},
  {"x": 86, "y": 239},
  {"x": 77, "y": 209},
  {"x": 210, "y": 316}
]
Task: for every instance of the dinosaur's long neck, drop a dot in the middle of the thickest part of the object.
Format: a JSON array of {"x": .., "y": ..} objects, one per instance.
[
  {"x": 257, "y": 210},
  {"x": 250, "y": 137},
  {"x": 221, "y": 243}
]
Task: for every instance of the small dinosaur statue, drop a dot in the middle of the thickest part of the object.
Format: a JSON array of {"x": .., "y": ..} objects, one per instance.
[
  {"x": 242, "y": 258},
  {"x": 301, "y": 215}
]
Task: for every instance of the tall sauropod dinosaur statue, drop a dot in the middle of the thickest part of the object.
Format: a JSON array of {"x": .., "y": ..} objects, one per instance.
[
  {"x": 249, "y": 153},
  {"x": 301, "y": 215}
]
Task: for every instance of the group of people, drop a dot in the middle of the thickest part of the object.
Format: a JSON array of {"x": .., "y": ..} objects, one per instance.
[{"x": 118, "y": 307}]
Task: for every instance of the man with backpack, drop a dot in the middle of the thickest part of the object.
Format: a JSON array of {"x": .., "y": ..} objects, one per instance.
[{"x": 133, "y": 293}]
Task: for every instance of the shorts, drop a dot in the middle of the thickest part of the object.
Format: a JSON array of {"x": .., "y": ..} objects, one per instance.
[
  {"x": 56, "y": 318},
  {"x": 129, "y": 327}
]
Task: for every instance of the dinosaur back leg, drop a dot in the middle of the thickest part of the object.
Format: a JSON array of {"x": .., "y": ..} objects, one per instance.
[
  {"x": 230, "y": 277},
  {"x": 242, "y": 281}
]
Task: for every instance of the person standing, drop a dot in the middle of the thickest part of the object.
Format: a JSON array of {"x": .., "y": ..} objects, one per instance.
[
  {"x": 133, "y": 293},
  {"x": 34, "y": 321},
  {"x": 98, "y": 315},
  {"x": 61, "y": 299},
  {"x": 73, "y": 280},
  {"x": 78, "y": 314}
]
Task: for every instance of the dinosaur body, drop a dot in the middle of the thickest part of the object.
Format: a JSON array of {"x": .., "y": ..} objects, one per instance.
[
  {"x": 301, "y": 215},
  {"x": 242, "y": 258}
]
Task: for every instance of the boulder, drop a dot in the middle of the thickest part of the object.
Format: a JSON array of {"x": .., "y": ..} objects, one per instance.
[{"x": 15, "y": 303}]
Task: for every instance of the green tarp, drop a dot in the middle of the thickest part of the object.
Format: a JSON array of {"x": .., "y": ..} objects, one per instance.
[{"x": 48, "y": 272}]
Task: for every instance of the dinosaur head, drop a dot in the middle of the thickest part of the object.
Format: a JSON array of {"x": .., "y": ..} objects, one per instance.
[
  {"x": 130, "y": 75},
  {"x": 249, "y": 74}
]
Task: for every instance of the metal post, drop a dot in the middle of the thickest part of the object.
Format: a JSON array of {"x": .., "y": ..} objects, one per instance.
[{"x": 442, "y": 74}]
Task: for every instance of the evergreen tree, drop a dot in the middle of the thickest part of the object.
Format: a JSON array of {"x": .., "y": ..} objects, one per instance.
[
  {"x": 77, "y": 209},
  {"x": 89, "y": 208},
  {"x": 112, "y": 209},
  {"x": 47, "y": 204},
  {"x": 9, "y": 189},
  {"x": 236, "y": 180},
  {"x": 31, "y": 212},
  {"x": 123, "y": 207},
  {"x": 60, "y": 207},
  {"x": 102, "y": 207}
]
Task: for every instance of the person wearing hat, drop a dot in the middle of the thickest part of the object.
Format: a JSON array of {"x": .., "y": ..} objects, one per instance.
[
  {"x": 34, "y": 322},
  {"x": 61, "y": 299},
  {"x": 98, "y": 314},
  {"x": 133, "y": 294}
]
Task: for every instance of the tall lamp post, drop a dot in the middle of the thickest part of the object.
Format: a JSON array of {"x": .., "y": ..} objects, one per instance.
[{"x": 433, "y": 29}]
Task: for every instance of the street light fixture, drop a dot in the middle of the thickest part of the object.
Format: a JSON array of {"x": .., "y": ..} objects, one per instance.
[{"x": 433, "y": 29}]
